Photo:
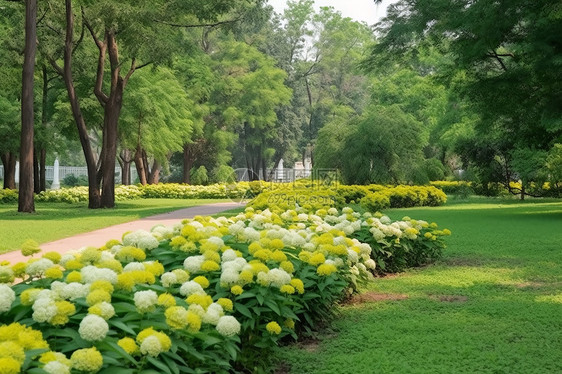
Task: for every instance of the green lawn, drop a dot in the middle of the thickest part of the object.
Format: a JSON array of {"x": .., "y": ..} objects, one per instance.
[
  {"x": 493, "y": 304},
  {"x": 54, "y": 221}
]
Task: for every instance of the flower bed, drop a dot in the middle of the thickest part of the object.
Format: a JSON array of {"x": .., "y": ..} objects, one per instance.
[{"x": 205, "y": 296}]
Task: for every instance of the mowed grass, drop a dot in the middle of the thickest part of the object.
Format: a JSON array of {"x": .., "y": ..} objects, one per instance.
[
  {"x": 53, "y": 221},
  {"x": 493, "y": 304}
]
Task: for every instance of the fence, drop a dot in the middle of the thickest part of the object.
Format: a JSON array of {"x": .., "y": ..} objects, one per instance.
[
  {"x": 276, "y": 175},
  {"x": 77, "y": 171}
]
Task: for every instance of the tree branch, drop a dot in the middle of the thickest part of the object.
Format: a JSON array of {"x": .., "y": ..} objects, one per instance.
[
  {"x": 198, "y": 25},
  {"x": 102, "y": 46}
]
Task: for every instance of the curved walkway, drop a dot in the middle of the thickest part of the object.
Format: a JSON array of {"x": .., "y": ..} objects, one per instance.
[{"x": 99, "y": 237}]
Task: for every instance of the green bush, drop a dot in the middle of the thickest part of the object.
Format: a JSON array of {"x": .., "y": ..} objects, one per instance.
[
  {"x": 207, "y": 296},
  {"x": 375, "y": 201},
  {"x": 8, "y": 196}
]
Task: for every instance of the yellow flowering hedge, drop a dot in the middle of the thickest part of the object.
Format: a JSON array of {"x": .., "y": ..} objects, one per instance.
[{"x": 208, "y": 295}]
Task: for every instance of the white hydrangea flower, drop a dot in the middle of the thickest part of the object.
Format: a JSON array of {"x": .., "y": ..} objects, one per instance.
[
  {"x": 229, "y": 255},
  {"x": 191, "y": 287},
  {"x": 7, "y": 297},
  {"x": 91, "y": 274},
  {"x": 56, "y": 367},
  {"x": 93, "y": 328},
  {"x": 151, "y": 346},
  {"x": 168, "y": 279},
  {"x": 278, "y": 277},
  {"x": 57, "y": 287},
  {"x": 229, "y": 276},
  {"x": 193, "y": 263},
  {"x": 251, "y": 234},
  {"x": 236, "y": 228},
  {"x": 162, "y": 231},
  {"x": 107, "y": 255},
  {"x": 377, "y": 234},
  {"x": 134, "y": 266},
  {"x": 228, "y": 326},
  {"x": 371, "y": 264},
  {"x": 37, "y": 268},
  {"x": 212, "y": 315},
  {"x": 217, "y": 241},
  {"x": 44, "y": 309},
  {"x": 107, "y": 310},
  {"x": 332, "y": 211},
  {"x": 385, "y": 220},
  {"x": 141, "y": 239},
  {"x": 197, "y": 309},
  {"x": 74, "y": 290},
  {"x": 352, "y": 256},
  {"x": 145, "y": 300},
  {"x": 65, "y": 258}
]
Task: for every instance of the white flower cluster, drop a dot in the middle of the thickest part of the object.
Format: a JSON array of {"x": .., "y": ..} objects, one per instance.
[
  {"x": 228, "y": 326},
  {"x": 191, "y": 288},
  {"x": 274, "y": 277},
  {"x": 91, "y": 274},
  {"x": 93, "y": 328},
  {"x": 145, "y": 300},
  {"x": 37, "y": 268},
  {"x": 141, "y": 239},
  {"x": 7, "y": 297}
]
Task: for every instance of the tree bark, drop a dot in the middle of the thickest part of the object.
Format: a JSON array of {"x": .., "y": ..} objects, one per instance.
[
  {"x": 94, "y": 197},
  {"x": 154, "y": 176},
  {"x": 125, "y": 161},
  {"x": 36, "y": 188},
  {"x": 42, "y": 150},
  {"x": 188, "y": 161},
  {"x": 141, "y": 167},
  {"x": 9, "y": 162},
  {"x": 26, "y": 201}
]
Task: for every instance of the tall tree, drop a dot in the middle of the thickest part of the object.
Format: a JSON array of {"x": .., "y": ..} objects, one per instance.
[{"x": 26, "y": 201}]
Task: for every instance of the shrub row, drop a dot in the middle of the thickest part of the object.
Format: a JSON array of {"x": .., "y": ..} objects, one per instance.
[
  {"x": 372, "y": 198},
  {"x": 205, "y": 296}
]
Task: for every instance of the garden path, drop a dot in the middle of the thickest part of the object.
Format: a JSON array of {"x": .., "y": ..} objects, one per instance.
[{"x": 99, "y": 237}]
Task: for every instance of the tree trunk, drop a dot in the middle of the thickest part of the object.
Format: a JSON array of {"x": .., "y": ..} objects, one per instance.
[
  {"x": 94, "y": 197},
  {"x": 112, "y": 111},
  {"x": 154, "y": 176},
  {"x": 141, "y": 167},
  {"x": 42, "y": 150},
  {"x": 188, "y": 161},
  {"x": 522, "y": 191},
  {"x": 36, "y": 188},
  {"x": 26, "y": 201},
  {"x": 9, "y": 162},
  {"x": 125, "y": 162}
]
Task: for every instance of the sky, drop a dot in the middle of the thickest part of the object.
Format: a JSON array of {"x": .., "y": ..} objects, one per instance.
[{"x": 360, "y": 10}]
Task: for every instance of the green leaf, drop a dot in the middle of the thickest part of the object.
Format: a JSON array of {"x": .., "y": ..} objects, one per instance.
[
  {"x": 122, "y": 326},
  {"x": 273, "y": 305},
  {"x": 243, "y": 310},
  {"x": 159, "y": 365}
]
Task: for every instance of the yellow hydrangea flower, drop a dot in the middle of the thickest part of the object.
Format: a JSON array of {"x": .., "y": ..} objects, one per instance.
[
  {"x": 128, "y": 345},
  {"x": 13, "y": 350},
  {"x": 53, "y": 256},
  {"x": 74, "y": 276},
  {"x": 236, "y": 290},
  {"x": 273, "y": 328},
  {"x": 9, "y": 366},
  {"x": 298, "y": 284},
  {"x": 87, "y": 359},
  {"x": 98, "y": 296},
  {"x": 102, "y": 284},
  {"x": 166, "y": 300},
  {"x": 203, "y": 281},
  {"x": 210, "y": 266},
  {"x": 326, "y": 269},
  {"x": 287, "y": 289},
  {"x": 226, "y": 304}
]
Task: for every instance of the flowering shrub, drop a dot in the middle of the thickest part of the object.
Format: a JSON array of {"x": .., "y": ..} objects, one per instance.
[
  {"x": 372, "y": 198},
  {"x": 453, "y": 187},
  {"x": 8, "y": 196},
  {"x": 209, "y": 295}
]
